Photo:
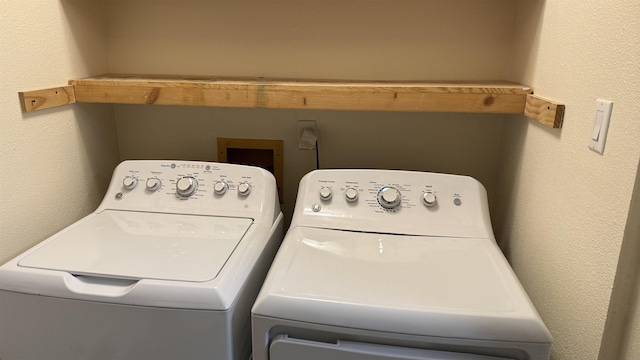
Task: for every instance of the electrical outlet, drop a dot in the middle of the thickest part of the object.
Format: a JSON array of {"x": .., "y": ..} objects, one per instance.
[{"x": 306, "y": 141}]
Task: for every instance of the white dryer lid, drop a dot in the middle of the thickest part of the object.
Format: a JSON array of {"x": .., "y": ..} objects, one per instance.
[
  {"x": 435, "y": 286},
  {"x": 139, "y": 245}
]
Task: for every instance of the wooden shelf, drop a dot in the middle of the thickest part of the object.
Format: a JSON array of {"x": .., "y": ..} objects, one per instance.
[
  {"x": 498, "y": 97},
  {"x": 494, "y": 97}
]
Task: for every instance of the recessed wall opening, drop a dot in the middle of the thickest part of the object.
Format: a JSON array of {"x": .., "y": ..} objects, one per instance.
[{"x": 266, "y": 154}]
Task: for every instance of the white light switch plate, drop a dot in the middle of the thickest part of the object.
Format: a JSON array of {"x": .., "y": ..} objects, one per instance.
[{"x": 600, "y": 125}]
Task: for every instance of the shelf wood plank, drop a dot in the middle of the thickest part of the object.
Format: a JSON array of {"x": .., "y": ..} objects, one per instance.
[
  {"x": 547, "y": 112},
  {"x": 469, "y": 97},
  {"x": 46, "y": 98}
]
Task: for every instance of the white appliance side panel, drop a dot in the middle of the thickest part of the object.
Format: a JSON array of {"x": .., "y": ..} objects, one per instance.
[
  {"x": 286, "y": 348},
  {"x": 137, "y": 245},
  {"x": 42, "y": 328},
  {"x": 35, "y": 327},
  {"x": 453, "y": 287}
]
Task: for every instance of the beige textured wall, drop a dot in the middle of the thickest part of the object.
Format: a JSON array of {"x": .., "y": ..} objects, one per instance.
[
  {"x": 355, "y": 39},
  {"x": 626, "y": 299},
  {"x": 564, "y": 208},
  {"x": 622, "y": 329},
  {"x": 56, "y": 163},
  {"x": 630, "y": 349},
  {"x": 362, "y": 39}
]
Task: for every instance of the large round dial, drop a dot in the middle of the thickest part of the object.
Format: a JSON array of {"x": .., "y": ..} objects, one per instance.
[
  {"x": 220, "y": 187},
  {"x": 389, "y": 197},
  {"x": 186, "y": 186},
  {"x": 129, "y": 182},
  {"x": 244, "y": 189}
]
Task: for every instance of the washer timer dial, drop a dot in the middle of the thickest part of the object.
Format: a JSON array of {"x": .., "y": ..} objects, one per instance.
[
  {"x": 186, "y": 186},
  {"x": 389, "y": 197}
]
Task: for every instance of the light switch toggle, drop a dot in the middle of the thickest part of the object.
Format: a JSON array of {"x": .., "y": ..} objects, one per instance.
[
  {"x": 597, "y": 124},
  {"x": 600, "y": 125}
]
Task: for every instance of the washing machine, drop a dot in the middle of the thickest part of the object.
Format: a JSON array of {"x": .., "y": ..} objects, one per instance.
[
  {"x": 167, "y": 267},
  {"x": 382, "y": 265}
]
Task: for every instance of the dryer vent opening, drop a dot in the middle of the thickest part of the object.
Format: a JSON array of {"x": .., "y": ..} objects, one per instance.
[{"x": 266, "y": 154}]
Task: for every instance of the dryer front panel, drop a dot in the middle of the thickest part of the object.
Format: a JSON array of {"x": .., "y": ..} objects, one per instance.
[
  {"x": 436, "y": 286},
  {"x": 285, "y": 348}
]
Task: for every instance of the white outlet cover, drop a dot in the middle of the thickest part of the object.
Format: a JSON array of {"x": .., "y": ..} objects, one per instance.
[
  {"x": 600, "y": 125},
  {"x": 307, "y": 135}
]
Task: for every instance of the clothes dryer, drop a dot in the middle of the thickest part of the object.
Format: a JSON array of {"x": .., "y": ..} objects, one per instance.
[
  {"x": 382, "y": 265},
  {"x": 167, "y": 267}
]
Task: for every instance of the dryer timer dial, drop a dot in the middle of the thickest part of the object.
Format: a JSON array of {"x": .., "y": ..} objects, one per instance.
[{"x": 389, "y": 197}]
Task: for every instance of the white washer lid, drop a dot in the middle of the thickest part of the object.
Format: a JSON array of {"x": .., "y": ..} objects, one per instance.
[
  {"x": 139, "y": 245},
  {"x": 436, "y": 286}
]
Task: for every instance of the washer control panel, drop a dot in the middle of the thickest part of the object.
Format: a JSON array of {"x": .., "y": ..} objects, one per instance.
[
  {"x": 405, "y": 202},
  {"x": 191, "y": 187}
]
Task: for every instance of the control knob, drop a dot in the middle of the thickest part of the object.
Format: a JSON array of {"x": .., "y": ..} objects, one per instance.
[
  {"x": 186, "y": 186},
  {"x": 325, "y": 193},
  {"x": 389, "y": 197},
  {"x": 220, "y": 187},
  {"x": 429, "y": 199},
  {"x": 244, "y": 189},
  {"x": 351, "y": 194},
  {"x": 129, "y": 182},
  {"x": 153, "y": 184}
]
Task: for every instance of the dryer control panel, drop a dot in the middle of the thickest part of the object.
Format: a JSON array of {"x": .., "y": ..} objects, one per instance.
[
  {"x": 390, "y": 201},
  {"x": 192, "y": 187}
]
